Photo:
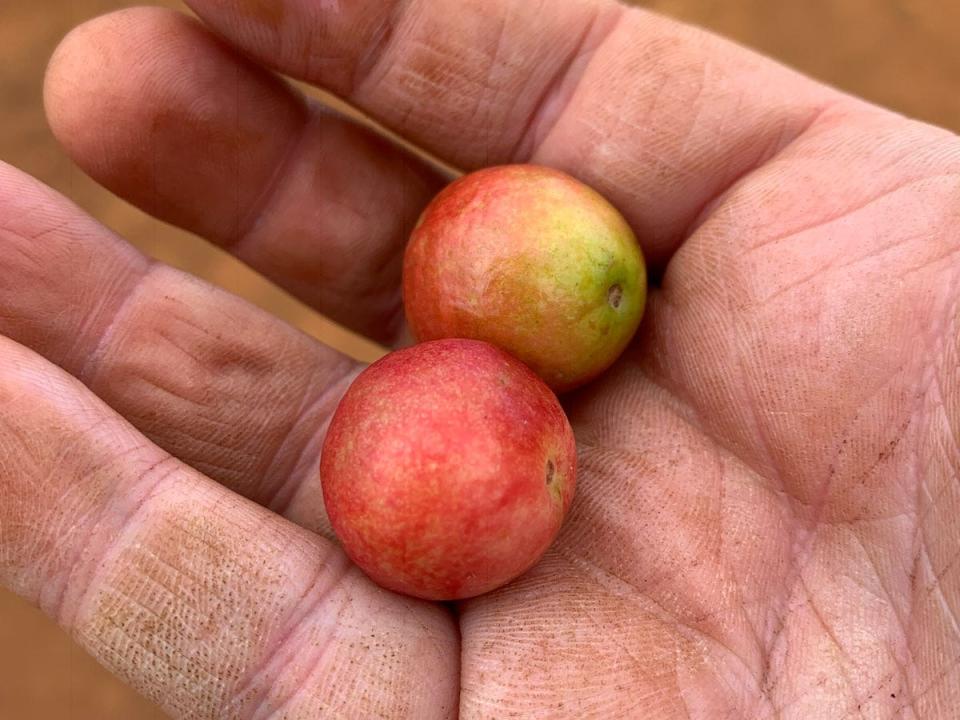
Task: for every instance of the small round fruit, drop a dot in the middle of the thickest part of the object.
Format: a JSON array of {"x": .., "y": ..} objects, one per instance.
[
  {"x": 533, "y": 261},
  {"x": 447, "y": 469}
]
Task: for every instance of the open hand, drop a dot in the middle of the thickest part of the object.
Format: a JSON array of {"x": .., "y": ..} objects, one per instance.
[{"x": 768, "y": 512}]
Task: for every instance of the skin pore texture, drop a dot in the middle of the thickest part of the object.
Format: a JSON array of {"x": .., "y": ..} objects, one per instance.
[{"x": 766, "y": 520}]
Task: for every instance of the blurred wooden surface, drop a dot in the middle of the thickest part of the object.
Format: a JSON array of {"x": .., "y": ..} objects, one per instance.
[{"x": 901, "y": 53}]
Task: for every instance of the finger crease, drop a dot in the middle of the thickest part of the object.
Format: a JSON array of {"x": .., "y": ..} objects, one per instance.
[
  {"x": 137, "y": 282},
  {"x": 537, "y": 126},
  {"x": 324, "y": 403},
  {"x": 271, "y": 189},
  {"x": 280, "y": 656}
]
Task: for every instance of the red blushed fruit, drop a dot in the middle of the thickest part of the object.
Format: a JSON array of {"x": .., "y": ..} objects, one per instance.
[
  {"x": 532, "y": 261},
  {"x": 447, "y": 469}
]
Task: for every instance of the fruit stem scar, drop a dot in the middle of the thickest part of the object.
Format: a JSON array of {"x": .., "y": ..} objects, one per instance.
[
  {"x": 551, "y": 471},
  {"x": 615, "y": 295}
]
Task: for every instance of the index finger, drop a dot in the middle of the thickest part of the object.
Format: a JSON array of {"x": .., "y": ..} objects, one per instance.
[{"x": 660, "y": 117}]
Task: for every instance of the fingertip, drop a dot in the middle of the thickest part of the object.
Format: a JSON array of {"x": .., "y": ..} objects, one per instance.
[
  {"x": 152, "y": 106},
  {"x": 59, "y": 82},
  {"x": 92, "y": 66},
  {"x": 159, "y": 110}
]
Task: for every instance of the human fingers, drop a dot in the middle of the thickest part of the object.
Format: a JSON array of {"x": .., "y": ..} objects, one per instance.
[
  {"x": 216, "y": 382},
  {"x": 206, "y": 603},
  {"x": 660, "y": 117},
  {"x": 231, "y": 152}
]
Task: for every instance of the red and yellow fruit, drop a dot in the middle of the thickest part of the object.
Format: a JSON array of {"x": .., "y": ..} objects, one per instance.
[{"x": 533, "y": 261}]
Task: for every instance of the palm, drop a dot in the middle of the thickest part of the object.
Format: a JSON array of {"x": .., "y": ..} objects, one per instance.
[
  {"x": 765, "y": 518},
  {"x": 766, "y": 476}
]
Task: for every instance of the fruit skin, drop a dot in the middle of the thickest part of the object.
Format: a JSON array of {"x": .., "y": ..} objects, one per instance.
[
  {"x": 447, "y": 469},
  {"x": 533, "y": 261}
]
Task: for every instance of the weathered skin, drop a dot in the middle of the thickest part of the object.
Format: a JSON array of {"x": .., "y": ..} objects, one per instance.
[
  {"x": 447, "y": 469},
  {"x": 533, "y": 261},
  {"x": 767, "y": 518}
]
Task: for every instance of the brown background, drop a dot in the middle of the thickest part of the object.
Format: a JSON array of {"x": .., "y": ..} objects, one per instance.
[{"x": 900, "y": 53}]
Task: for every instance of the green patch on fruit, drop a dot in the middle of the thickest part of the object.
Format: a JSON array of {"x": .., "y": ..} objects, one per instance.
[{"x": 533, "y": 261}]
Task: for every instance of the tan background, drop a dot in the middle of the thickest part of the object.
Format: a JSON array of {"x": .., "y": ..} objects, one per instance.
[{"x": 900, "y": 53}]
